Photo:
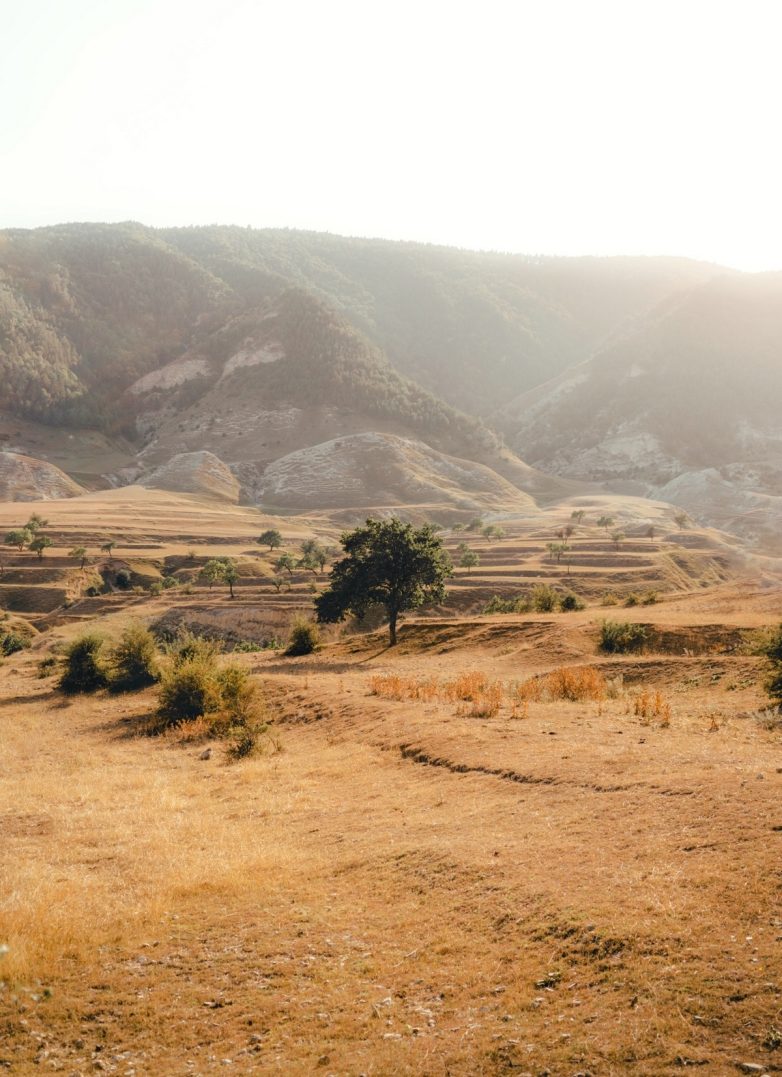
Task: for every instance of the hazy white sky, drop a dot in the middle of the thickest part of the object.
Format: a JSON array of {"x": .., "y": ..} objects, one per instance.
[{"x": 550, "y": 126}]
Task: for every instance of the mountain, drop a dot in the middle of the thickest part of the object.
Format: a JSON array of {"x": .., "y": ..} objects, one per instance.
[
  {"x": 653, "y": 376},
  {"x": 85, "y": 310},
  {"x": 685, "y": 407}
]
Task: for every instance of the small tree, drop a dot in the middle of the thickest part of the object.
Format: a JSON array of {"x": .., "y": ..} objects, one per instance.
[
  {"x": 19, "y": 537},
  {"x": 286, "y": 562},
  {"x": 476, "y": 524},
  {"x": 230, "y": 575},
  {"x": 108, "y": 546},
  {"x": 39, "y": 544},
  {"x": 651, "y": 531},
  {"x": 271, "y": 538},
  {"x": 682, "y": 520},
  {"x": 277, "y": 582},
  {"x": 389, "y": 563},
  {"x": 577, "y": 515},
  {"x": 309, "y": 563},
  {"x": 35, "y": 523},
  {"x": 606, "y": 522},
  {"x": 469, "y": 560},
  {"x": 213, "y": 572},
  {"x": 617, "y": 538},
  {"x": 80, "y": 554}
]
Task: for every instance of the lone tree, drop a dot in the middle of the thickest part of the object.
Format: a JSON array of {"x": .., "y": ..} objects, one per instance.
[
  {"x": 606, "y": 522},
  {"x": 285, "y": 561},
  {"x": 681, "y": 519},
  {"x": 271, "y": 538},
  {"x": 386, "y": 563}
]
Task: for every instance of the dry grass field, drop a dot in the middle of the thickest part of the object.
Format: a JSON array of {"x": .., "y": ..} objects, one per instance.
[{"x": 490, "y": 850}]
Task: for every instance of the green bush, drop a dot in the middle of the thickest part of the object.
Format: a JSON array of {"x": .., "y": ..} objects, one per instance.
[
  {"x": 771, "y": 648},
  {"x": 496, "y": 604},
  {"x": 187, "y": 645},
  {"x": 189, "y": 690},
  {"x": 544, "y": 599},
  {"x": 85, "y": 668},
  {"x": 11, "y": 642},
  {"x": 619, "y": 637},
  {"x": 134, "y": 661},
  {"x": 569, "y": 602},
  {"x": 304, "y": 639},
  {"x": 197, "y": 688}
]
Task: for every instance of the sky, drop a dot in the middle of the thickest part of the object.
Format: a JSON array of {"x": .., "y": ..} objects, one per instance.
[{"x": 562, "y": 127}]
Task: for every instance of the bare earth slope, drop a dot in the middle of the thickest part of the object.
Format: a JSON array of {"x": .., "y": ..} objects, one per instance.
[{"x": 23, "y": 478}]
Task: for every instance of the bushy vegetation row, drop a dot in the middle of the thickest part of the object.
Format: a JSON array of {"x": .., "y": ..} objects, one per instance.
[
  {"x": 193, "y": 684},
  {"x": 542, "y": 598}
]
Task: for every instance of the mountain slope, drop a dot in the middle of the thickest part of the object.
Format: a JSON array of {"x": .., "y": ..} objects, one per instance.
[
  {"x": 91, "y": 308},
  {"x": 694, "y": 389}
]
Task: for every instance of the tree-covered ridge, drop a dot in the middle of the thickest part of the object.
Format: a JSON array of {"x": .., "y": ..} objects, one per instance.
[
  {"x": 87, "y": 309},
  {"x": 475, "y": 328}
]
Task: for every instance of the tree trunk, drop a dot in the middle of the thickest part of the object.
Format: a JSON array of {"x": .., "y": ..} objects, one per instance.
[{"x": 392, "y": 628}]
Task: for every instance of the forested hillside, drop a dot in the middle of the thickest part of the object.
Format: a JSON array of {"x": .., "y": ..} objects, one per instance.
[{"x": 87, "y": 309}]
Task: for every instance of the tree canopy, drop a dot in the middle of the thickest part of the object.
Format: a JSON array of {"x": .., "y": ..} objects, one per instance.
[{"x": 387, "y": 563}]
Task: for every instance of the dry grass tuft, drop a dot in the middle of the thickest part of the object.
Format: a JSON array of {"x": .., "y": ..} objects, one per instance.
[{"x": 648, "y": 705}]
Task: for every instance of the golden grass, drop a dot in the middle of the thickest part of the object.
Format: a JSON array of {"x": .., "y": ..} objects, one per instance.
[
  {"x": 648, "y": 705},
  {"x": 489, "y": 697}
]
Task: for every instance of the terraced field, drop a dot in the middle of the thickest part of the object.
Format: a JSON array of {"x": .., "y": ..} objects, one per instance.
[{"x": 492, "y": 849}]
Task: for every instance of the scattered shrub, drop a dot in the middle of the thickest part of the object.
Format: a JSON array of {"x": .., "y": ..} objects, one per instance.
[
  {"x": 496, "y": 604},
  {"x": 609, "y": 599},
  {"x": 187, "y": 645},
  {"x": 304, "y": 638},
  {"x": 649, "y": 598},
  {"x": 570, "y": 601},
  {"x": 85, "y": 669},
  {"x": 544, "y": 598},
  {"x": 47, "y": 666},
  {"x": 134, "y": 660},
  {"x": 156, "y": 587},
  {"x": 189, "y": 690},
  {"x": 619, "y": 637},
  {"x": 771, "y": 648},
  {"x": 631, "y": 600},
  {"x": 168, "y": 582},
  {"x": 11, "y": 642}
]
